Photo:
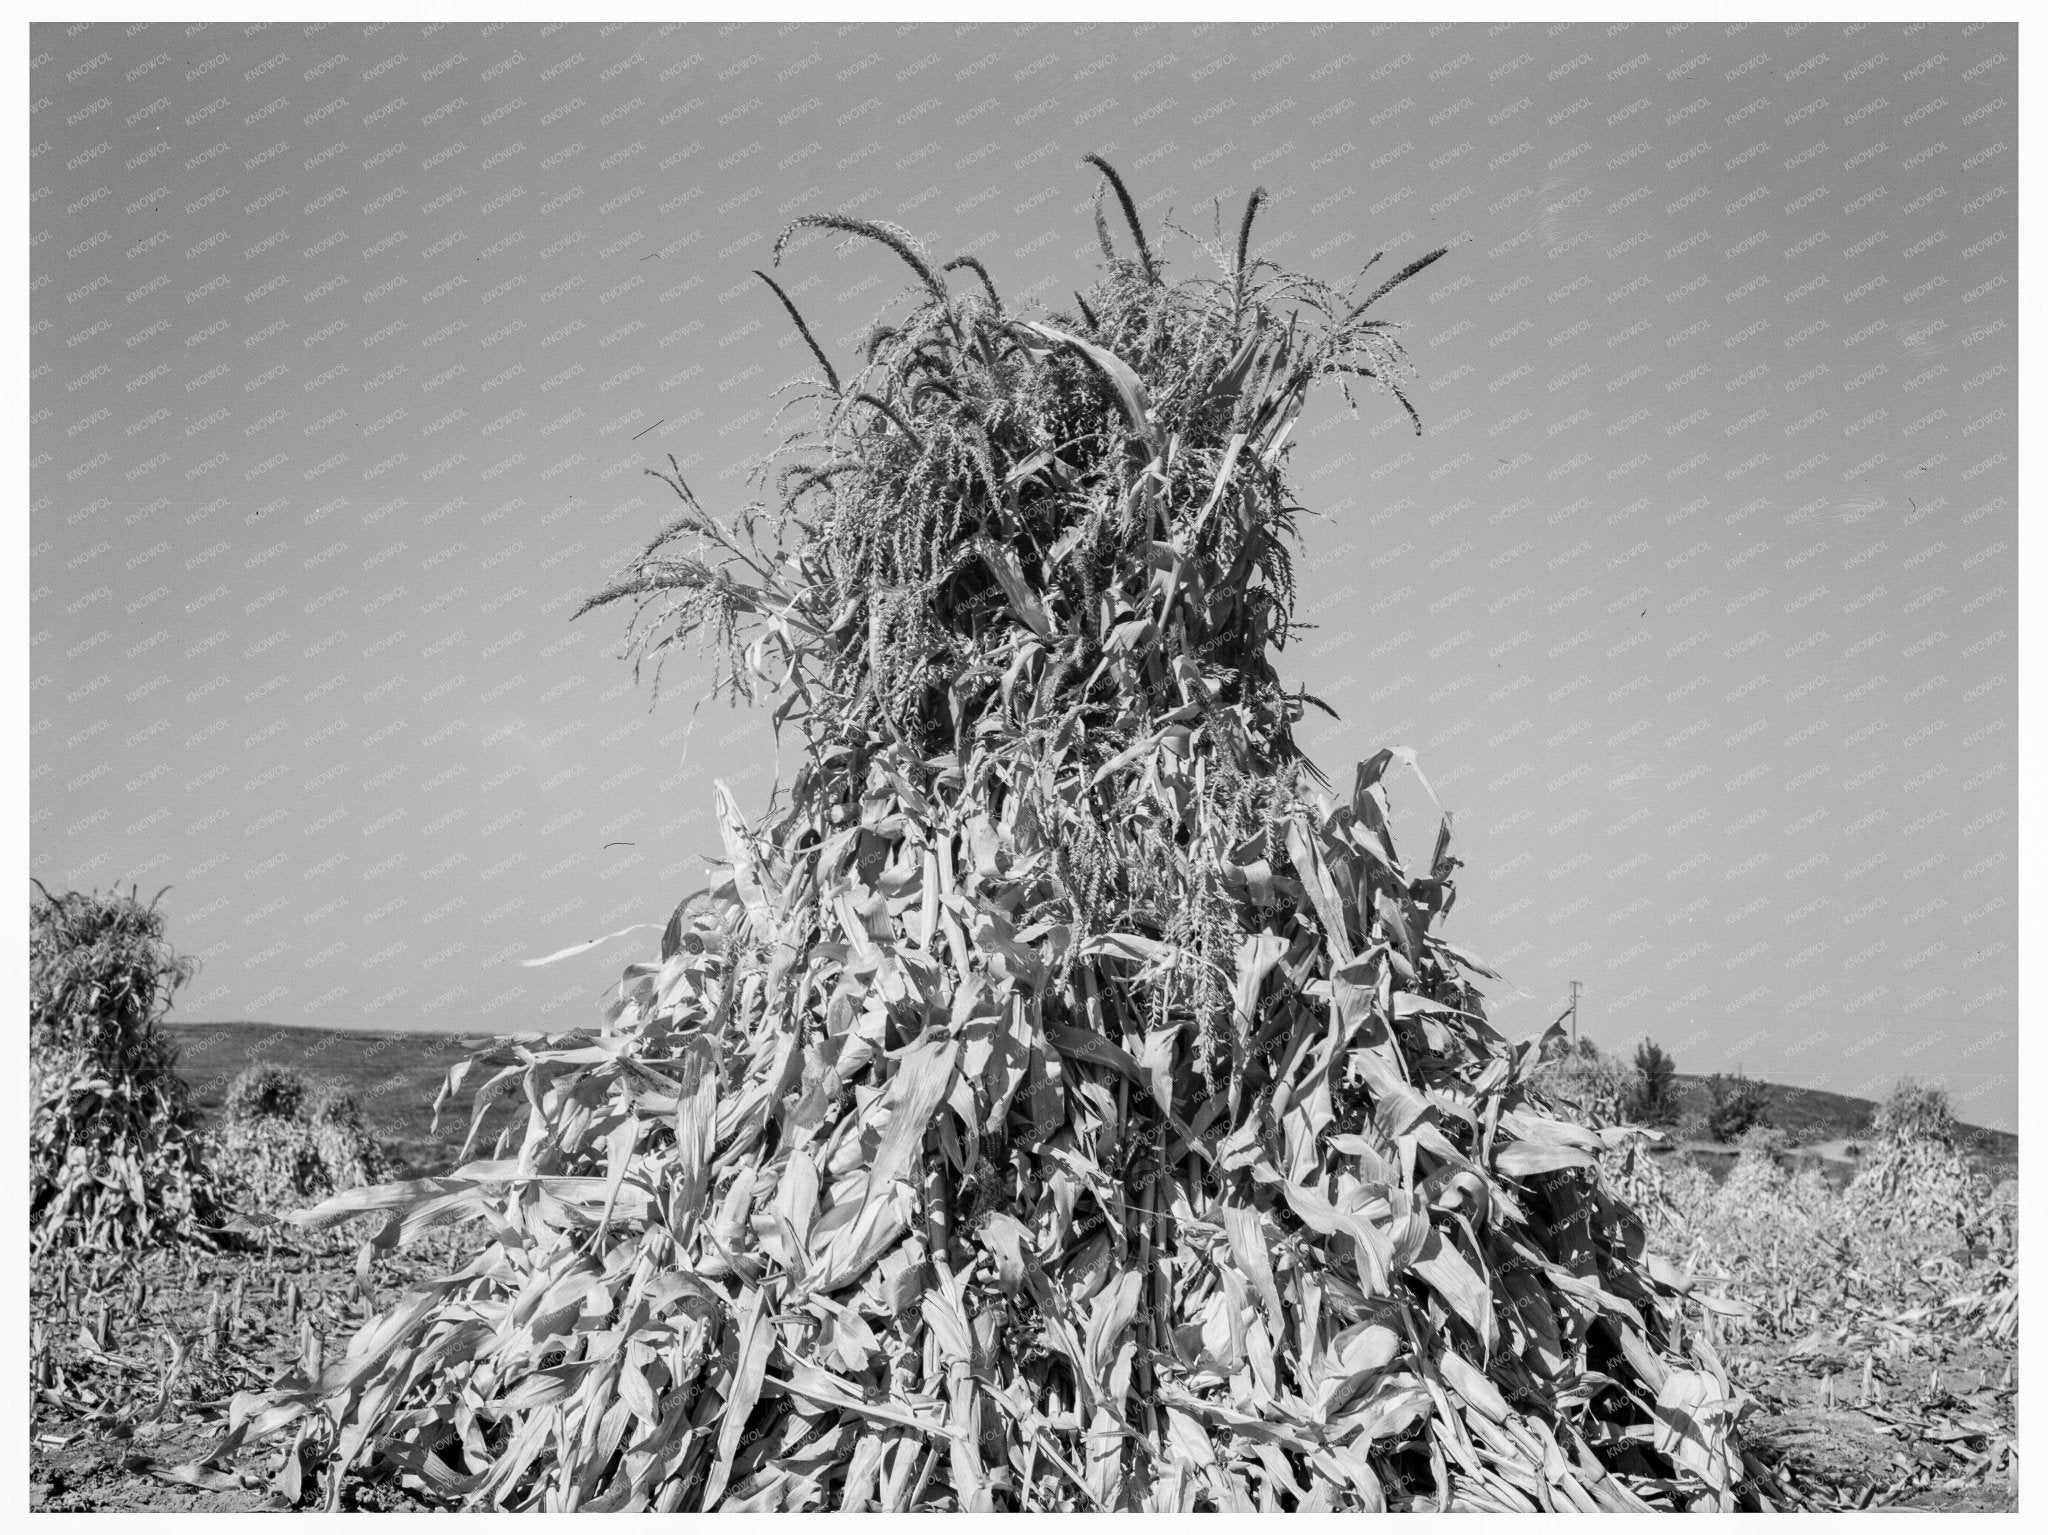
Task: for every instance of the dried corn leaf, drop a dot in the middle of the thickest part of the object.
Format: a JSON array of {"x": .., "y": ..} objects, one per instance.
[{"x": 1061, "y": 1102}]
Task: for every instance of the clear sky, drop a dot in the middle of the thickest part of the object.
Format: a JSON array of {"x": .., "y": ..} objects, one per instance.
[{"x": 1697, "y": 597}]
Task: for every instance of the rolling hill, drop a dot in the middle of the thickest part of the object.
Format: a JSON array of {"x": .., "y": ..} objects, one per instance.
[{"x": 395, "y": 1076}]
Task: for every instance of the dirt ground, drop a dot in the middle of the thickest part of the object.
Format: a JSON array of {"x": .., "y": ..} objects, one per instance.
[
  {"x": 1926, "y": 1436},
  {"x": 116, "y": 1404}
]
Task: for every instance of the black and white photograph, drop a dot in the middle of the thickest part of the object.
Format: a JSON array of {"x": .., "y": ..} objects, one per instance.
[{"x": 913, "y": 761}]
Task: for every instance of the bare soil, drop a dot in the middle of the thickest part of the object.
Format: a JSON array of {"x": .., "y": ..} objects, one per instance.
[{"x": 1925, "y": 1437}]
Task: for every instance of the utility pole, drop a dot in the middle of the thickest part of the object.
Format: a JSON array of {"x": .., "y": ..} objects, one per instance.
[{"x": 1575, "y": 1017}]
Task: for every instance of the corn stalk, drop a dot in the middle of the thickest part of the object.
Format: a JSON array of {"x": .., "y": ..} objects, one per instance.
[
  {"x": 1067, "y": 1102},
  {"x": 114, "y": 1156}
]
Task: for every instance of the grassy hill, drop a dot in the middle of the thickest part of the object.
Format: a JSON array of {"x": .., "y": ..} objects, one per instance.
[
  {"x": 1811, "y": 1117},
  {"x": 395, "y": 1076}
]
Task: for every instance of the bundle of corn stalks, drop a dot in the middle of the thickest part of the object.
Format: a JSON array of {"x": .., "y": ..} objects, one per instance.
[
  {"x": 1916, "y": 1175},
  {"x": 1064, "y": 1102},
  {"x": 1914, "y": 1182},
  {"x": 1917, "y": 1180},
  {"x": 281, "y": 1144},
  {"x": 1917, "y": 1234},
  {"x": 1914, "y": 1112},
  {"x": 113, "y": 1155},
  {"x": 1581, "y": 1083}
]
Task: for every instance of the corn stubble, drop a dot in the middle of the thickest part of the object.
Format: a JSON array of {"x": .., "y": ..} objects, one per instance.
[{"x": 1064, "y": 1101}]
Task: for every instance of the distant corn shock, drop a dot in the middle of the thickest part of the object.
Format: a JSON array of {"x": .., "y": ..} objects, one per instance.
[{"x": 114, "y": 1156}]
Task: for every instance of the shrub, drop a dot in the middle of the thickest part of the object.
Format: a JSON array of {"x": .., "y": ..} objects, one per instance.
[
  {"x": 113, "y": 1153},
  {"x": 1763, "y": 1140},
  {"x": 1064, "y": 1101},
  {"x": 1734, "y": 1104},
  {"x": 1652, "y": 1091}
]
